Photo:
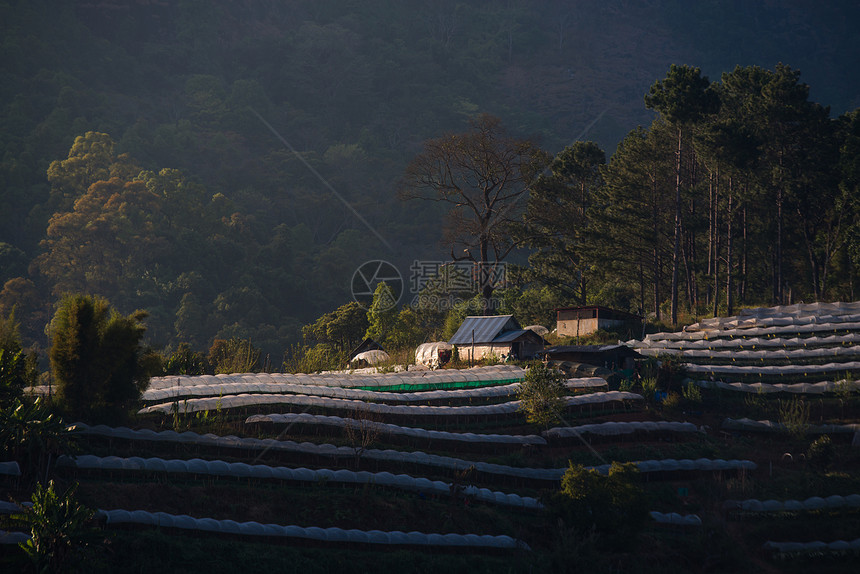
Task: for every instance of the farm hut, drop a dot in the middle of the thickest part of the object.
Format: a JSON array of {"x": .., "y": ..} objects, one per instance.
[
  {"x": 433, "y": 355},
  {"x": 499, "y": 335},
  {"x": 612, "y": 357},
  {"x": 581, "y": 321}
]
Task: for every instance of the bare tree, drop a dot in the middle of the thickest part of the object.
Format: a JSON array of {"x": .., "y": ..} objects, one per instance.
[
  {"x": 362, "y": 430},
  {"x": 483, "y": 174}
]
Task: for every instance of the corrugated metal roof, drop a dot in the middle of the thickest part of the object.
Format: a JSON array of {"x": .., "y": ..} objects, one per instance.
[
  {"x": 486, "y": 329},
  {"x": 510, "y": 336}
]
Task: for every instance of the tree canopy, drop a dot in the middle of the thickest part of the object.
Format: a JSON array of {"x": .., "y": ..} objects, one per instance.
[
  {"x": 541, "y": 395},
  {"x": 150, "y": 180}
]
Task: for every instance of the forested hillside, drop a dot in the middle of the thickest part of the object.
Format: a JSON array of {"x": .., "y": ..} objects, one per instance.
[{"x": 136, "y": 162}]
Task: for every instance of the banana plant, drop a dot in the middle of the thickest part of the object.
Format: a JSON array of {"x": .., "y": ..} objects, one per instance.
[{"x": 60, "y": 528}]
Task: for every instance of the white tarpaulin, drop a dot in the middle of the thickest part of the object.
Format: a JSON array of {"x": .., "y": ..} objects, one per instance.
[
  {"x": 427, "y": 354},
  {"x": 372, "y": 357}
]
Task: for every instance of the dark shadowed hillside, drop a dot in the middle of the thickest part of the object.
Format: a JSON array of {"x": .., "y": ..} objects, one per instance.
[{"x": 252, "y": 244}]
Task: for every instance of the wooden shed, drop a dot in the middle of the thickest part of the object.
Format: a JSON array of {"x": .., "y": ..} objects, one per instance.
[{"x": 581, "y": 321}]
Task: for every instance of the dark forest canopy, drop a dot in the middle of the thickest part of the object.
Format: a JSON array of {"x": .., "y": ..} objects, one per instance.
[{"x": 133, "y": 164}]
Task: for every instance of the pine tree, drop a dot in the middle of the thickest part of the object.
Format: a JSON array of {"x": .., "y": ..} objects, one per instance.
[
  {"x": 382, "y": 315},
  {"x": 682, "y": 99}
]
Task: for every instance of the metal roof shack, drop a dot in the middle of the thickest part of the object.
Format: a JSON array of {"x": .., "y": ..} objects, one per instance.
[{"x": 499, "y": 335}]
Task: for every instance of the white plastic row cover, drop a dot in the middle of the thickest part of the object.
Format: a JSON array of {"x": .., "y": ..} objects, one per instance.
[
  {"x": 771, "y": 426},
  {"x": 813, "y": 503},
  {"x": 478, "y": 374},
  {"x": 415, "y": 457},
  {"x": 671, "y": 465},
  {"x": 186, "y": 522},
  {"x": 796, "y": 388},
  {"x": 584, "y": 383},
  {"x": 242, "y": 470},
  {"x": 813, "y": 547},
  {"x": 790, "y": 330},
  {"x": 803, "y": 312},
  {"x": 256, "y": 386},
  {"x": 676, "y": 519},
  {"x": 318, "y": 390},
  {"x": 618, "y": 428},
  {"x": 753, "y": 343},
  {"x": 723, "y": 323},
  {"x": 775, "y": 370},
  {"x": 10, "y": 538},
  {"x": 238, "y": 401},
  {"x": 817, "y": 308},
  {"x": 308, "y": 419},
  {"x": 794, "y": 355},
  {"x": 13, "y": 507}
]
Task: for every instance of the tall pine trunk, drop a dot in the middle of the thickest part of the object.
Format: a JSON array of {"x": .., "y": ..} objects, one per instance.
[
  {"x": 676, "y": 255},
  {"x": 742, "y": 284},
  {"x": 777, "y": 267},
  {"x": 729, "y": 254},
  {"x": 712, "y": 224},
  {"x": 655, "y": 212}
]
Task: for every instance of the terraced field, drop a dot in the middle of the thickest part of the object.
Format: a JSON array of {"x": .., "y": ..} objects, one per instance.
[{"x": 425, "y": 471}]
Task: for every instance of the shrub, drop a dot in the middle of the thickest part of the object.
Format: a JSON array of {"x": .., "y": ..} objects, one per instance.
[
  {"x": 59, "y": 528},
  {"x": 649, "y": 388},
  {"x": 614, "y": 506},
  {"x": 692, "y": 393},
  {"x": 233, "y": 356},
  {"x": 184, "y": 361},
  {"x": 672, "y": 401},
  {"x": 31, "y": 434},
  {"x": 794, "y": 415},
  {"x": 820, "y": 453},
  {"x": 757, "y": 403},
  {"x": 845, "y": 388},
  {"x": 541, "y": 394},
  {"x": 670, "y": 373},
  {"x": 320, "y": 357},
  {"x": 17, "y": 368}
]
